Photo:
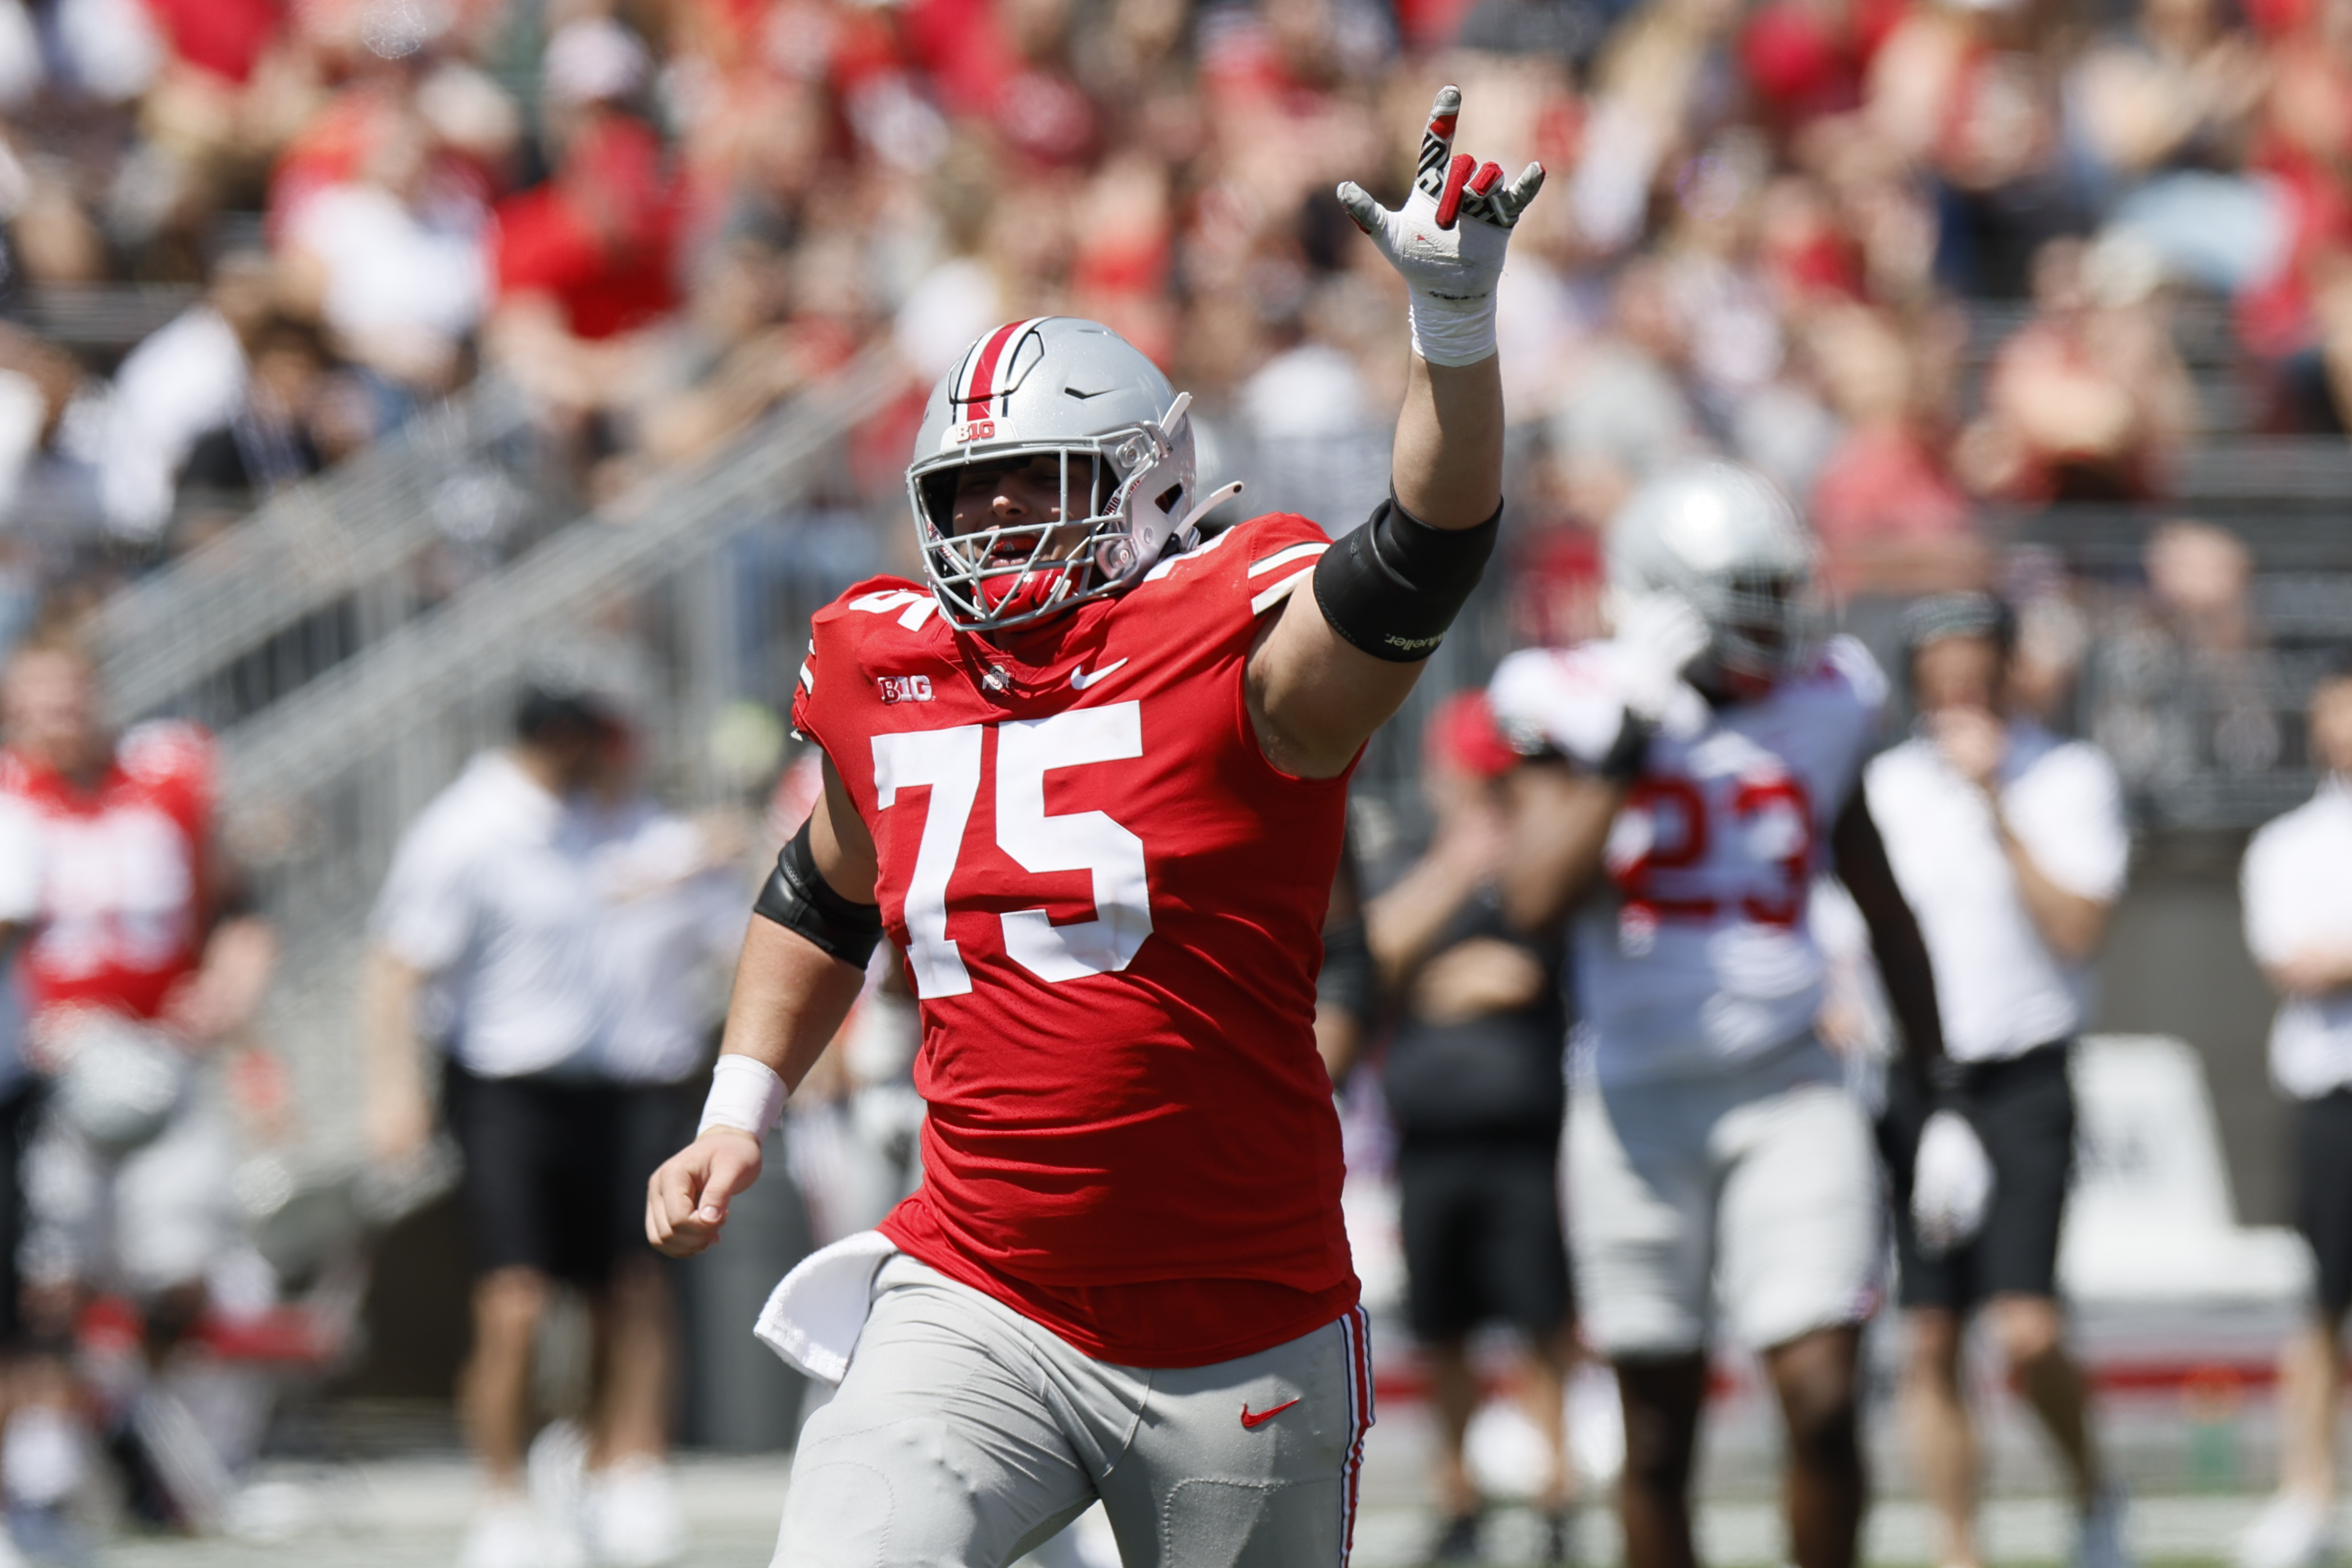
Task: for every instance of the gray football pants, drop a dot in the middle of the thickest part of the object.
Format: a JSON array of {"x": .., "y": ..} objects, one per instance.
[{"x": 964, "y": 1435}]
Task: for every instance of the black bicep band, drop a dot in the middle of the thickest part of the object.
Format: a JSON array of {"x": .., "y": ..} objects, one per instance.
[
  {"x": 797, "y": 897},
  {"x": 1392, "y": 587}
]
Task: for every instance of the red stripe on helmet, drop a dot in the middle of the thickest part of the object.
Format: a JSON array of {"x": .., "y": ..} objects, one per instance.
[
  {"x": 982, "y": 382},
  {"x": 982, "y": 385}
]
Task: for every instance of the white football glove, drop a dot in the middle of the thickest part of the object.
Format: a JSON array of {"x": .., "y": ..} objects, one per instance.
[
  {"x": 1451, "y": 265},
  {"x": 1951, "y": 1184},
  {"x": 1656, "y": 636}
]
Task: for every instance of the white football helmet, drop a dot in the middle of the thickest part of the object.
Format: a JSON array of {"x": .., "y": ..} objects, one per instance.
[
  {"x": 1720, "y": 538},
  {"x": 1076, "y": 391}
]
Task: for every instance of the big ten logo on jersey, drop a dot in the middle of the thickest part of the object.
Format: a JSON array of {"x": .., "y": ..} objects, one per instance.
[
  {"x": 904, "y": 687},
  {"x": 118, "y": 890},
  {"x": 940, "y": 772},
  {"x": 1702, "y": 844}
]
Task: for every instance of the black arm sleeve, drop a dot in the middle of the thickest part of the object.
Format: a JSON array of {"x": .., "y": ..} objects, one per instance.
[
  {"x": 796, "y": 897},
  {"x": 1392, "y": 587}
]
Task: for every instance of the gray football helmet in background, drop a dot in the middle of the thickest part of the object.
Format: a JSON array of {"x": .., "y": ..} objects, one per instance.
[
  {"x": 1721, "y": 538},
  {"x": 1076, "y": 391}
]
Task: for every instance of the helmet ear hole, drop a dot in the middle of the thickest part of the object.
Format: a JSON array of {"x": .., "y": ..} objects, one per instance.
[
  {"x": 1166, "y": 501},
  {"x": 938, "y": 498}
]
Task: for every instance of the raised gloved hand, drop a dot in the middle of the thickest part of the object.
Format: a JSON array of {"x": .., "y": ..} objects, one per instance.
[
  {"x": 1655, "y": 639},
  {"x": 1951, "y": 1184},
  {"x": 1448, "y": 239}
]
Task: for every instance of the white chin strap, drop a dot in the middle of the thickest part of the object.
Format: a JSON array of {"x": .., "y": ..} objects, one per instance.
[{"x": 1217, "y": 498}]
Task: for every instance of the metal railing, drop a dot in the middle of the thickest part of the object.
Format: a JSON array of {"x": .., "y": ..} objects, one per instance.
[
  {"x": 323, "y": 779},
  {"x": 329, "y": 566},
  {"x": 105, "y": 319},
  {"x": 2204, "y": 713}
]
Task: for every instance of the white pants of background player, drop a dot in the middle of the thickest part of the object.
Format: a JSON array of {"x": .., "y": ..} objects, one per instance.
[
  {"x": 963, "y": 1433},
  {"x": 1756, "y": 1188},
  {"x": 142, "y": 1221}
]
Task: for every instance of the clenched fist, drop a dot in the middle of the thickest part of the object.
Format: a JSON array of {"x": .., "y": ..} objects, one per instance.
[{"x": 686, "y": 1202}]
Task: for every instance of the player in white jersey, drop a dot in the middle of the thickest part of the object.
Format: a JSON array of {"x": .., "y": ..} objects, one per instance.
[{"x": 1689, "y": 779}]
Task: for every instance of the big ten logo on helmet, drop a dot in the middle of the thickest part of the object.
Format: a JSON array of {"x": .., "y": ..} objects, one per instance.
[
  {"x": 983, "y": 428},
  {"x": 904, "y": 687}
]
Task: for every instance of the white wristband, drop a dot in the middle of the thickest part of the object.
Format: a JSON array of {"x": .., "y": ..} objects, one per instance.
[
  {"x": 746, "y": 1095},
  {"x": 1451, "y": 330}
]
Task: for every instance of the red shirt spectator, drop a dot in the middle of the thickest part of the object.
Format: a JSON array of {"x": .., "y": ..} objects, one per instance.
[
  {"x": 1801, "y": 59},
  {"x": 598, "y": 239},
  {"x": 227, "y": 38},
  {"x": 1889, "y": 517}
]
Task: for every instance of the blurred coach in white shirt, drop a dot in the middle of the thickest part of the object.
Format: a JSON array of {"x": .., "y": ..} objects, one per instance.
[
  {"x": 2010, "y": 845},
  {"x": 2297, "y": 884},
  {"x": 487, "y": 945},
  {"x": 673, "y": 903}
]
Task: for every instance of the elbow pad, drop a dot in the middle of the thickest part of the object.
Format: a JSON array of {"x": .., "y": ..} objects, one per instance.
[
  {"x": 798, "y": 898},
  {"x": 1392, "y": 587}
]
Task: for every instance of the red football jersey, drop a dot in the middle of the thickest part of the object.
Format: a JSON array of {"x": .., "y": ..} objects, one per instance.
[
  {"x": 121, "y": 885},
  {"x": 1110, "y": 906}
]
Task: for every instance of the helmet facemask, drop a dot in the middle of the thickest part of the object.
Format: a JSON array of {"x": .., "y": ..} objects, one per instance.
[
  {"x": 1765, "y": 624},
  {"x": 1119, "y": 493}
]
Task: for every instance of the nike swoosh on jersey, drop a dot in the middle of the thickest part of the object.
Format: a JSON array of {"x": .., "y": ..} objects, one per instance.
[
  {"x": 1080, "y": 680},
  {"x": 1255, "y": 1421}
]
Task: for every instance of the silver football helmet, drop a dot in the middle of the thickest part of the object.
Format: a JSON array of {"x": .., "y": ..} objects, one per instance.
[
  {"x": 1723, "y": 539},
  {"x": 1072, "y": 390}
]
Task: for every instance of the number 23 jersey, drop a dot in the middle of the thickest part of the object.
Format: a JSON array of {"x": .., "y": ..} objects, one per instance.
[
  {"x": 1706, "y": 955},
  {"x": 1110, "y": 906}
]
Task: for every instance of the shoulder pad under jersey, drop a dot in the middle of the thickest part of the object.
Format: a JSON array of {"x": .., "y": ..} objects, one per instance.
[
  {"x": 1264, "y": 559},
  {"x": 878, "y": 605}
]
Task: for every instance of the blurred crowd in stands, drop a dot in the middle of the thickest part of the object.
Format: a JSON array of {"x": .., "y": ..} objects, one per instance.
[{"x": 1912, "y": 257}]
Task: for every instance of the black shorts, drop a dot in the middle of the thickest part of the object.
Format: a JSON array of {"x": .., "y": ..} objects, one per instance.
[
  {"x": 1482, "y": 1236},
  {"x": 2323, "y": 1196},
  {"x": 656, "y": 1120},
  {"x": 19, "y": 1114},
  {"x": 543, "y": 1172},
  {"x": 2023, "y": 1110}
]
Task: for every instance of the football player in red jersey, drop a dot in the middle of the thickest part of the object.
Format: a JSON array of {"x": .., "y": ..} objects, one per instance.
[
  {"x": 144, "y": 955},
  {"x": 1091, "y": 781}
]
